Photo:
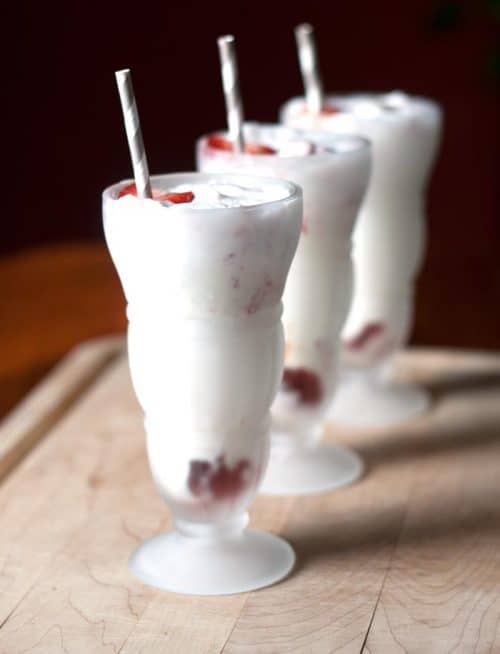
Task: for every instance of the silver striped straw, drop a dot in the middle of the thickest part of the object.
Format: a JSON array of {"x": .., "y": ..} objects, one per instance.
[
  {"x": 231, "y": 87},
  {"x": 134, "y": 134},
  {"x": 304, "y": 35}
]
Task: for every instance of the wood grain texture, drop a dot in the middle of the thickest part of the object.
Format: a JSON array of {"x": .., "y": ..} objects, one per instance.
[
  {"x": 408, "y": 560},
  {"x": 442, "y": 592},
  {"x": 44, "y": 406}
]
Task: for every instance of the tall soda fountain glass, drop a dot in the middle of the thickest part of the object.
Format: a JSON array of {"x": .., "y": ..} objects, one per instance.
[
  {"x": 389, "y": 245},
  {"x": 203, "y": 267},
  {"x": 333, "y": 173}
]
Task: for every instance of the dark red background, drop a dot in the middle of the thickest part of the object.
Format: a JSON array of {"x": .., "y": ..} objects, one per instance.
[{"x": 68, "y": 138}]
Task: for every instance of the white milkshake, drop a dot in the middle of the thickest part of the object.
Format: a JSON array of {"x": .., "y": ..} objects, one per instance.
[
  {"x": 333, "y": 173},
  {"x": 389, "y": 243},
  {"x": 203, "y": 267}
]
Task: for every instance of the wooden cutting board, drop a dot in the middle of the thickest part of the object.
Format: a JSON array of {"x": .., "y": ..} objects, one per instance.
[{"x": 407, "y": 560}]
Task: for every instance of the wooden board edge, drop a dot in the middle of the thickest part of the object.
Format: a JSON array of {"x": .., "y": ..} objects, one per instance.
[{"x": 30, "y": 421}]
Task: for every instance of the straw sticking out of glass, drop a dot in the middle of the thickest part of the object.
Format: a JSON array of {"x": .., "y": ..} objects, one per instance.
[
  {"x": 134, "y": 134},
  {"x": 306, "y": 47},
  {"x": 231, "y": 87}
]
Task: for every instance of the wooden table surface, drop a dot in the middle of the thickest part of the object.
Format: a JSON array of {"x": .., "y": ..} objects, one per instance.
[
  {"x": 407, "y": 560},
  {"x": 52, "y": 298}
]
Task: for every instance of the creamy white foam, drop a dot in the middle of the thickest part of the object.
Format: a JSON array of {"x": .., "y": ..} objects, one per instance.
[
  {"x": 214, "y": 195},
  {"x": 284, "y": 141}
]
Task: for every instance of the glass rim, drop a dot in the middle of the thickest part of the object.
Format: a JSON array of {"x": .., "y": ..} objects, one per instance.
[
  {"x": 294, "y": 190},
  {"x": 314, "y": 136},
  {"x": 376, "y": 96}
]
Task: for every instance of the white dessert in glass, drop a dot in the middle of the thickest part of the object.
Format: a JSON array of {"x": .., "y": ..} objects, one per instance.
[
  {"x": 203, "y": 267},
  {"x": 333, "y": 173},
  {"x": 389, "y": 244}
]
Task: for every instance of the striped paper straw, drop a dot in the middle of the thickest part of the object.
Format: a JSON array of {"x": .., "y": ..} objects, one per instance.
[
  {"x": 304, "y": 35},
  {"x": 231, "y": 86},
  {"x": 134, "y": 134}
]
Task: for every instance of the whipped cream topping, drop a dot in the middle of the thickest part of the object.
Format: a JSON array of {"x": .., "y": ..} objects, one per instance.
[
  {"x": 284, "y": 142},
  {"x": 216, "y": 195},
  {"x": 360, "y": 109},
  {"x": 372, "y": 105},
  {"x": 296, "y": 148}
]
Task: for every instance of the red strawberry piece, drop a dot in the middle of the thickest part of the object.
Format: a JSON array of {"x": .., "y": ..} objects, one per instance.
[
  {"x": 219, "y": 143},
  {"x": 368, "y": 333},
  {"x": 130, "y": 189},
  {"x": 259, "y": 148},
  {"x": 199, "y": 476},
  {"x": 228, "y": 482},
  {"x": 326, "y": 110},
  {"x": 217, "y": 478},
  {"x": 176, "y": 198},
  {"x": 330, "y": 109},
  {"x": 304, "y": 382}
]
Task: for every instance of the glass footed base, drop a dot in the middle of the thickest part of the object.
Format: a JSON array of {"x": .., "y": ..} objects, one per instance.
[
  {"x": 308, "y": 470},
  {"x": 212, "y": 566},
  {"x": 377, "y": 404}
]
